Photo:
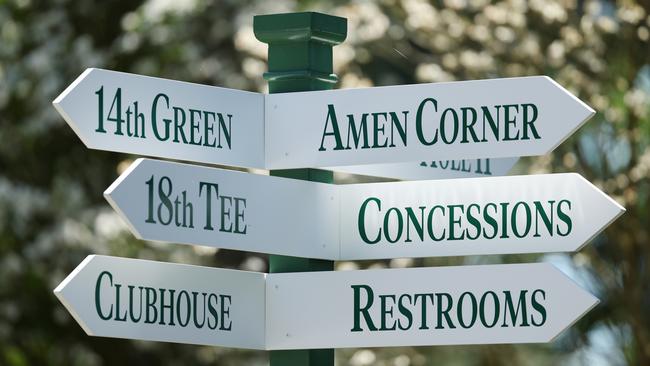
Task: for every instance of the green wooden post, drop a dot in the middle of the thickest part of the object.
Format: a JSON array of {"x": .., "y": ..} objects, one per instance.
[{"x": 300, "y": 59}]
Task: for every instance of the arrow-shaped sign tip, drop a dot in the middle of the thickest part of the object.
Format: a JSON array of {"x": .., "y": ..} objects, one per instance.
[
  {"x": 60, "y": 289},
  {"x": 581, "y": 110},
  {"x": 65, "y": 291},
  {"x": 62, "y": 97},
  {"x": 113, "y": 193},
  {"x": 581, "y": 302},
  {"x": 589, "y": 112},
  {"x": 61, "y": 104},
  {"x": 608, "y": 211}
]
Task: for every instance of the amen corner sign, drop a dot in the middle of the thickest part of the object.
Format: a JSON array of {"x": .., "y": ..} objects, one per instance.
[
  {"x": 481, "y": 119},
  {"x": 129, "y": 298},
  {"x": 172, "y": 202},
  {"x": 456, "y": 120}
]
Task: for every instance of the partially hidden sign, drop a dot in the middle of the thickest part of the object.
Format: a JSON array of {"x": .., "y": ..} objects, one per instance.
[
  {"x": 190, "y": 204},
  {"x": 434, "y": 169},
  {"x": 180, "y": 203}
]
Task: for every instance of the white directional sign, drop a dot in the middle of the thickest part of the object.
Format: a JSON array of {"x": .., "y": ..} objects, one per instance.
[
  {"x": 498, "y": 215},
  {"x": 465, "y": 121},
  {"x": 138, "y": 299},
  {"x": 143, "y": 115},
  {"x": 189, "y": 204},
  {"x": 434, "y": 169},
  {"x": 520, "y": 303},
  {"x": 456, "y": 120},
  {"x": 180, "y": 203}
]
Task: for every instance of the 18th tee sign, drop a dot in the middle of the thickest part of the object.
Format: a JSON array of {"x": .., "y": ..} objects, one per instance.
[{"x": 182, "y": 203}]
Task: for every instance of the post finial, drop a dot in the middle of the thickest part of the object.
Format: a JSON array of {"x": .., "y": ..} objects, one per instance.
[{"x": 300, "y": 49}]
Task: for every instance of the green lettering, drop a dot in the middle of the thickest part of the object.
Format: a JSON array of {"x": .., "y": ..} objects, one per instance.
[
  {"x": 362, "y": 221},
  {"x": 418, "y": 122},
  {"x": 362, "y": 311},
  {"x": 529, "y": 123},
  {"x": 331, "y": 116},
  {"x": 514, "y": 312},
  {"x": 564, "y": 217},
  {"x": 98, "y": 300}
]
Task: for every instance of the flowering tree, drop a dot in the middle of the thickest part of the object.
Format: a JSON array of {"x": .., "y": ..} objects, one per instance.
[{"x": 52, "y": 212}]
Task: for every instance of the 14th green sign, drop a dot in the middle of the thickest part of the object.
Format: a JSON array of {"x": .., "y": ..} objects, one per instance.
[{"x": 150, "y": 116}]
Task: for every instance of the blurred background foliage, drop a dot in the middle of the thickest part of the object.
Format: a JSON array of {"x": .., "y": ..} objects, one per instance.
[{"x": 52, "y": 213}]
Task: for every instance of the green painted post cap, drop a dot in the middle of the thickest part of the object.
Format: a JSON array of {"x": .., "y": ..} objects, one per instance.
[
  {"x": 297, "y": 27},
  {"x": 300, "y": 49}
]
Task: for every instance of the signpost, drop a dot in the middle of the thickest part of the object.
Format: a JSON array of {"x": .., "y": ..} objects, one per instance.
[
  {"x": 300, "y": 59},
  {"x": 434, "y": 169},
  {"x": 180, "y": 203},
  {"x": 455, "y": 120},
  {"x": 517, "y": 303},
  {"x": 154, "y": 301},
  {"x": 149, "y": 116},
  {"x": 472, "y": 128}
]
